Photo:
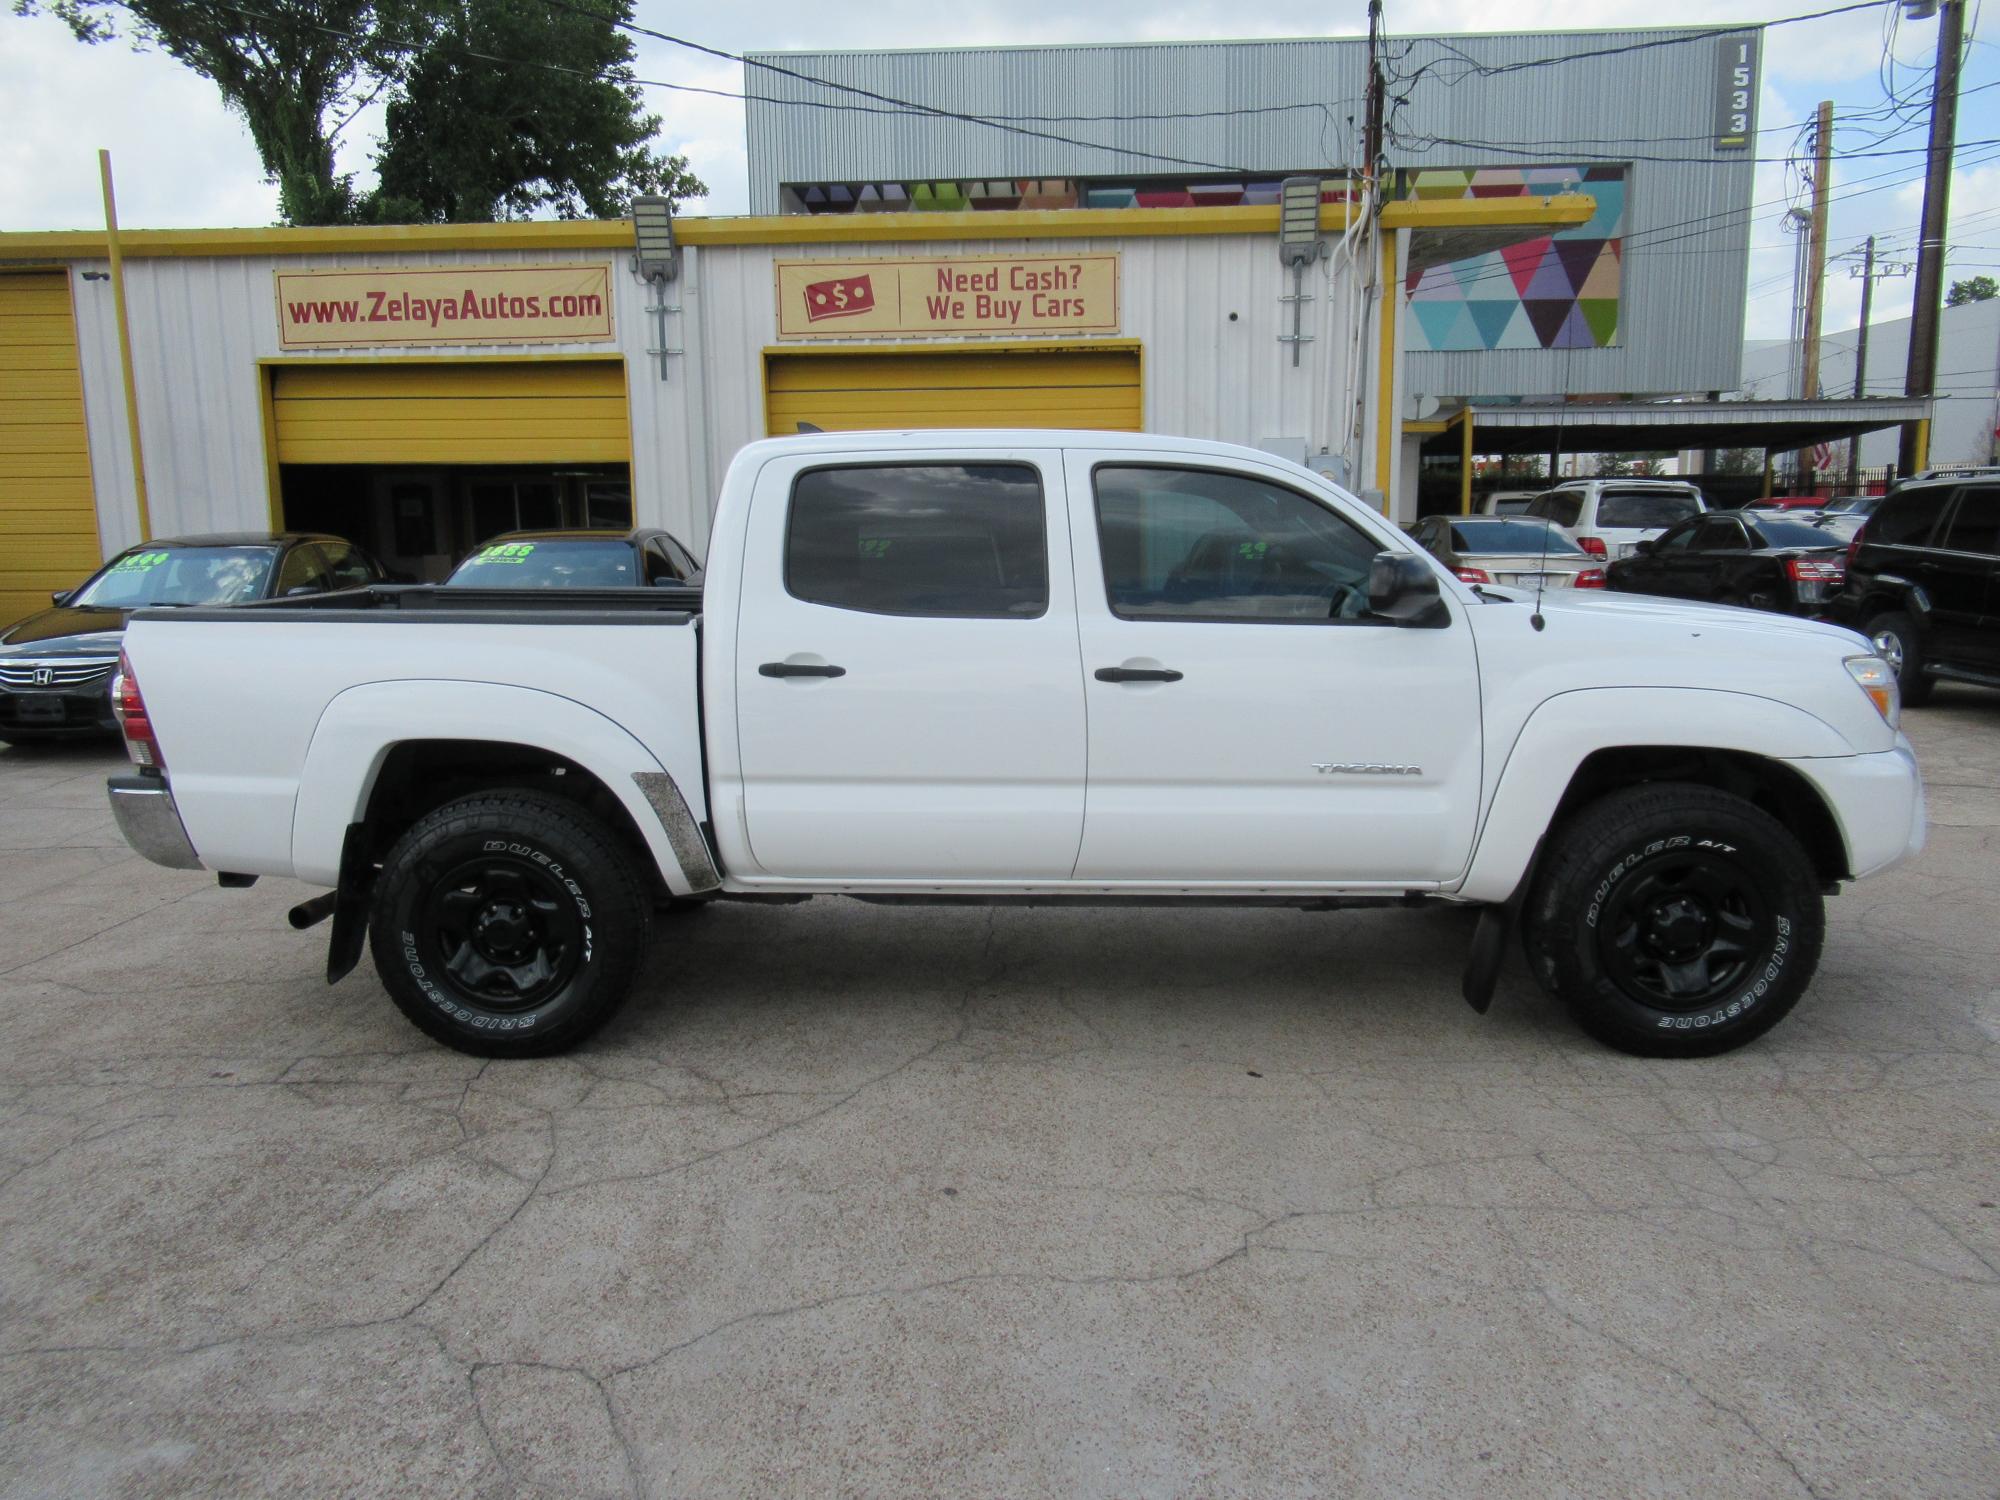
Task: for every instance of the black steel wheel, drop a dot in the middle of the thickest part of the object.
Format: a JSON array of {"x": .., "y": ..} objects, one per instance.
[
  {"x": 1675, "y": 920},
  {"x": 509, "y": 923}
]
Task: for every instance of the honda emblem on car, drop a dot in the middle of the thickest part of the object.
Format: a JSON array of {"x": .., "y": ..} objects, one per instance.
[{"x": 44, "y": 676}]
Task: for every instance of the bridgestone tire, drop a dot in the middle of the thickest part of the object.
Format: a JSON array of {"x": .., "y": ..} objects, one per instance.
[
  {"x": 1911, "y": 683},
  {"x": 1618, "y": 908},
  {"x": 563, "y": 895}
]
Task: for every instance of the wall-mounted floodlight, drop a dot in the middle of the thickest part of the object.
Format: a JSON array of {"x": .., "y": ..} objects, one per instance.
[
  {"x": 1298, "y": 221},
  {"x": 658, "y": 258}
]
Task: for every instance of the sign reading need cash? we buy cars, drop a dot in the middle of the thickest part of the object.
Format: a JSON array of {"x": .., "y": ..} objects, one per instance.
[
  {"x": 444, "y": 305},
  {"x": 947, "y": 295}
]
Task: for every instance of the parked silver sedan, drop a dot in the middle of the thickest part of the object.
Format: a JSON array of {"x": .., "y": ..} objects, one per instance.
[{"x": 1519, "y": 551}]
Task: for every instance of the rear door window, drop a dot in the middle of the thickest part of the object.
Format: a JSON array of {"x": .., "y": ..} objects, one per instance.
[
  {"x": 1906, "y": 520},
  {"x": 1558, "y": 506},
  {"x": 1975, "y": 525},
  {"x": 1644, "y": 510},
  {"x": 966, "y": 541},
  {"x": 1721, "y": 534}
]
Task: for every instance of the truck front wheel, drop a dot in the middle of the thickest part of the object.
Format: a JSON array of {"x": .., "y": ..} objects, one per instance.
[
  {"x": 1674, "y": 920},
  {"x": 508, "y": 923}
]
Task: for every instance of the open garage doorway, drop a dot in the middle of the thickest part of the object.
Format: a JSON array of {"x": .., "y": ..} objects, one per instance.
[{"x": 421, "y": 520}]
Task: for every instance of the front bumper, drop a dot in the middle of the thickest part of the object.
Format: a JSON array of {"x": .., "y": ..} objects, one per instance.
[
  {"x": 27, "y": 715},
  {"x": 1878, "y": 801},
  {"x": 144, "y": 808}
]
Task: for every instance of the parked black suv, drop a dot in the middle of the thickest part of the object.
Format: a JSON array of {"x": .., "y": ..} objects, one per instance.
[{"x": 1923, "y": 581}]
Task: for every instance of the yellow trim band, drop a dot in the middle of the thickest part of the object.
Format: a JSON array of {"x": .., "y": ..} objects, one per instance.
[
  {"x": 786, "y": 229},
  {"x": 1385, "y": 399}
]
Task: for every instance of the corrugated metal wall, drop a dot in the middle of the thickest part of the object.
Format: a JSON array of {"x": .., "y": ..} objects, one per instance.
[
  {"x": 1687, "y": 218},
  {"x": 1206, "y": 311}
]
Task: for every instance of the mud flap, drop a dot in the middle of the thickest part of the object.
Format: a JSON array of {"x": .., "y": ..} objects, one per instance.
[
  {"x": 350, "y": 904},
  {"x": 1489, "y": 948},
  {"x": 1489, "y": 939}
]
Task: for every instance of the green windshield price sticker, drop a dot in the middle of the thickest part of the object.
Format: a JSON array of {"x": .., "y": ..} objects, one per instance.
[
  {"x": 876, "y": 547},
  {"x": 508, "y": 552},
  {"x": 1252, "y": 550},
  {"x": 139, "y": 562}
]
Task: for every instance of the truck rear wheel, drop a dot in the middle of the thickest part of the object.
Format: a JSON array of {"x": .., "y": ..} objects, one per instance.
[
  {"x": 1674, "y": 920},
  {"x": 508, "y": 924}
]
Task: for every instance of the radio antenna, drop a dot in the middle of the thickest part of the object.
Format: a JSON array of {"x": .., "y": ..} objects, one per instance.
[{"x": 1555, "y": 461}]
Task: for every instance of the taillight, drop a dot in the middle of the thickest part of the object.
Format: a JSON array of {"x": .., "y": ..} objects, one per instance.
[
  {"x": 140, "y": 742},
  {"x": 1589, "y": 578},
  {"x": 1812, "y": 570},
  {"x": 1594, "y": 545},
  {"x": 1854, "y": 546},
  {"x": 1472, "y": 575}
]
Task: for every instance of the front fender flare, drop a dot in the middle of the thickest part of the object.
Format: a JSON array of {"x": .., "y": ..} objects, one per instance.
[{"x": 1570, "y": 727}]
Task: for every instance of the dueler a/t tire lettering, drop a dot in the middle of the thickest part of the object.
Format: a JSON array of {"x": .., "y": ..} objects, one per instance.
[
  {"x": 508, "y": 923},
  {"x": 1674, "y": 920}
]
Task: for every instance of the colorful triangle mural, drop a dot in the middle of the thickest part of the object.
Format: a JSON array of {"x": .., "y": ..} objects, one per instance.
[{"x": 1558, "y": 291}]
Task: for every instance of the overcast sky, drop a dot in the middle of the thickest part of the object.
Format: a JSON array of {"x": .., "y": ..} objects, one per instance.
[{"x": 182, "y": 160}]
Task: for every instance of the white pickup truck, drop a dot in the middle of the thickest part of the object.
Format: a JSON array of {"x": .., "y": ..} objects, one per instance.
[{"x": 1027, "y": 666}]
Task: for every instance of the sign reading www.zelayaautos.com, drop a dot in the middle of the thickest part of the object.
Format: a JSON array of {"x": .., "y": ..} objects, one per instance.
[{"x": 444, "y": 305}]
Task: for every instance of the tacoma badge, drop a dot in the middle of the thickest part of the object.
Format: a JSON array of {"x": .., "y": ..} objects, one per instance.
[{"x": 1363, "y": 768}]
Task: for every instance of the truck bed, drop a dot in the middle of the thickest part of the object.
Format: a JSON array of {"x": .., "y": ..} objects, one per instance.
[
  {"x": 274, "y": 718},
  {"x": 437, "y": 603}
]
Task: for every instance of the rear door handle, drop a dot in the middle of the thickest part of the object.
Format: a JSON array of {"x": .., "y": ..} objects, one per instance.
[
  {"x": 1137, "y": 674},
  {"x": 798, "y": 669}
]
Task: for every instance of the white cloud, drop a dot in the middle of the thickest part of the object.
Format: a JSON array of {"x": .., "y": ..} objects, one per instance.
[{"x": 179, "y": 157}]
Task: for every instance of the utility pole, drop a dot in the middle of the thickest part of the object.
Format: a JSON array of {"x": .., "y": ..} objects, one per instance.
[
  {"x": 1372, "y": 125},
  {"x": 1816, "y": 270},
  {"x": 1921, "y": 377},
  {"x": 1861, "y": 359}
]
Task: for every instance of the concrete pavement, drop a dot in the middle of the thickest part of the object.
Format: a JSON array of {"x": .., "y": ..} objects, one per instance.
[{"x": 957, "y": 1201}]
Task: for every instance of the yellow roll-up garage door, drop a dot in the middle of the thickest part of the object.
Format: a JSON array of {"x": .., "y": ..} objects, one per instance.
[
  {"x": 479, "y": 412},
  {"x": 48, "y": 515},
  {"x": 971, "y": 388}
]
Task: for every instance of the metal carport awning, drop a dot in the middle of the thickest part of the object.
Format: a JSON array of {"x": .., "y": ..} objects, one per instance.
[{"x": 1665, "y": 426}]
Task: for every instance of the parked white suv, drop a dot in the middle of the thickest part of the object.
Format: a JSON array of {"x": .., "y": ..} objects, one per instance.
[{"x": 1610, "y": 517}]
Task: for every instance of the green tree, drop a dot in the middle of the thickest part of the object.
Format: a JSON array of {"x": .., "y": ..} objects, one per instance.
[
  {"x": 297, "y": 71},
  {"x": 1738, "y": 461},
  {"x": 1972, "y": 289},
  {"x": 1613, "y": 466},
  {"x": 468, "y": 141}
]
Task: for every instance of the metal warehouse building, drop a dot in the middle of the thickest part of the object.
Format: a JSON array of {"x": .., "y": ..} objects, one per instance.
[
  {"x": 419, "y": 389},
  {"x": 1645, "y": 297}
]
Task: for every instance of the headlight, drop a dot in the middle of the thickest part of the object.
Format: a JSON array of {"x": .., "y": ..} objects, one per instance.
[{"x": 1872, "y": 675}]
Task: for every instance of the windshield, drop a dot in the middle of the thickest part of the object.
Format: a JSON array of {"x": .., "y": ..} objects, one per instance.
[
  {"x": 1781, "y": 532},
  {"x": 1644, "y": 509},
  {"x": 1850, "y": 505},
  {"x": 547, "y": 564},
  {"x": 150, "y": 576},
  {"x": 1525, "y": 535}
]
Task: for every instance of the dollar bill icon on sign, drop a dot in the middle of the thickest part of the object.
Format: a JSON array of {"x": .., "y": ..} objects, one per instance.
[{"x": 839, "y": 299}]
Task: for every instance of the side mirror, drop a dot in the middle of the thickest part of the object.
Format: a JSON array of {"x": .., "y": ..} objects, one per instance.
[
  {"x": 1403, "y": 589},
  {"x": 60, "y": 597},
  {"x": 1642, "y": 549}
]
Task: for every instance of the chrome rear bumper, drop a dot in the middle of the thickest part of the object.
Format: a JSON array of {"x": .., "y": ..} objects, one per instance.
[{"x": 146, "y": 815}]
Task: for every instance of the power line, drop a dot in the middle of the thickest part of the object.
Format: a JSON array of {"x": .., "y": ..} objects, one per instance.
[{"x": 1446, "y": 140}]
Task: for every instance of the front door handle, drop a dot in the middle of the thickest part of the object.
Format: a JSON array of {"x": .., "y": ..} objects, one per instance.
[
  {"x": 798, "y": 669},
  {"x": 1137, "y": 674}
]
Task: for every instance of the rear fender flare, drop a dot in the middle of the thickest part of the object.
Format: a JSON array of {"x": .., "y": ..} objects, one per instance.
[
  {"x": 362, "y": 725},
  {"x": 1570, "y": 727}
]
